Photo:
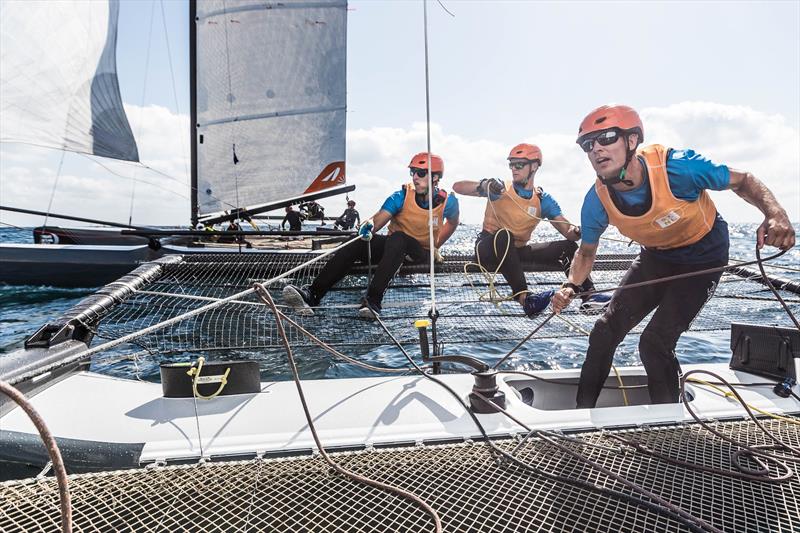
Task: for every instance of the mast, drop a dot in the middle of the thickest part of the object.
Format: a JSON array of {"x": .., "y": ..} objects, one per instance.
[{"x": 193, "y": 108}]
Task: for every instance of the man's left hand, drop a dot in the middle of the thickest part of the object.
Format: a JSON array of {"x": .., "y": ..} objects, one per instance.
[{"x": 776, "y": 231}]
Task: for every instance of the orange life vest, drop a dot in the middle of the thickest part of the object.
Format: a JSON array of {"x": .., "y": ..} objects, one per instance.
[
  {"x": 413, "y": 220},
  {"x": 518, "y": 215},
  {"x": 670, "y": 222}
]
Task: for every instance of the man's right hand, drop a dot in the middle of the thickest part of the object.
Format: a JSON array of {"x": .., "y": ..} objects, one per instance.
[
  {"x": 562, "y": 298},
  {"x": 495, "y": 186},
  {"x": 776, "y": 231},
  {"x": 365, "y": 230},
  {"x": 492, "y": 186}
]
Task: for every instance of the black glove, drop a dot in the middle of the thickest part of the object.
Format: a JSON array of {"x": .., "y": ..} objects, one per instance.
[{"x": 492, "y": 185}]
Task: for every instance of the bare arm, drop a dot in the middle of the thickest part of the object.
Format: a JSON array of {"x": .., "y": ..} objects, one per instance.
[
  {"x": 776, "y": 230},
  {"x": 447, "y": 230},
  {"x": 565, "y": 228},
  {"x": 466, "y": 187},
  {"x": 380, "y": 219},
  {"x": 581, "y": 267}
]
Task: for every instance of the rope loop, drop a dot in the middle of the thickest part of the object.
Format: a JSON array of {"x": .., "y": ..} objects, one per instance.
[{"x": 194, "y": 373}]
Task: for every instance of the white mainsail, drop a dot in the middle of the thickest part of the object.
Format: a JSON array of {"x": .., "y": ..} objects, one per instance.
[
  {"x": 271, "y": 100},
  {"x": 58, "y": 77}
]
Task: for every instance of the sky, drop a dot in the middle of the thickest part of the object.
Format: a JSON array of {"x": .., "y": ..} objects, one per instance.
[{"x": 722, "y": 78}]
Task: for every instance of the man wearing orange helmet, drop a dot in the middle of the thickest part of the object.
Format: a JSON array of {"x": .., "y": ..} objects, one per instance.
[
  {"x": 513, "y": 210},
  {"x": 658, "y": 197},
  {"x": 406, "y": 212}
]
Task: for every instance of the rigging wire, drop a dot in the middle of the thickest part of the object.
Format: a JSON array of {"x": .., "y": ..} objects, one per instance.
[
  {"x": 55, "y": 184},
  {"x": 141, "y": 105},
  {"x": 174, "y": 89},
  {"x": 230, "y": 102},
  {"x": 431, "y": 243}
]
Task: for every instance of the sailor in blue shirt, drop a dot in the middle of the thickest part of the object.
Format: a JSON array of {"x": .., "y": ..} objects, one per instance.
[
  {"x": 406, "y": 212},
  {"x": 657, "y": 197},
  {"x": 689, "y": 174},
  {"x": 513, "y": 210}
]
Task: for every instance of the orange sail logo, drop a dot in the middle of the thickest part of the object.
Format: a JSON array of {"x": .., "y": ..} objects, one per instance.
[{"x": 331, "y": 176}]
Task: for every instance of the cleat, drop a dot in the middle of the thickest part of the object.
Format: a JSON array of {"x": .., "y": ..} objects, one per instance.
[
  {"x": 536, "y": 303},
  {"x": 595, "y": 303},
  {"x": 299, "y": 299}
]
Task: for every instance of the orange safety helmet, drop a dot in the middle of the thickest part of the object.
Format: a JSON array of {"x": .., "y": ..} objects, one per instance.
[
  {"x": 531, "y": 152},
  {"x": 421, "y": 161},
  {"x": 611, "y": 116}
]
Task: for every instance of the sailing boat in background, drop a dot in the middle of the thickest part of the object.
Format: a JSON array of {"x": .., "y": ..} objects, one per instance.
[{"x": 268, "y": 104}]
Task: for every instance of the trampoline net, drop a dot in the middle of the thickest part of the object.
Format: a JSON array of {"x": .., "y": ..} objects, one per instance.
[
  {"x": 463, "y": 482},
  {"x": 465, "y": 315}
]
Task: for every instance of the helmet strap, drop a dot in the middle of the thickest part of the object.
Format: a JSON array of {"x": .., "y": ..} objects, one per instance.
[{"x": 623, "y": 171}]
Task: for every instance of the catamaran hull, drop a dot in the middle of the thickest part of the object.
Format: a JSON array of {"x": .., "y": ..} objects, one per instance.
[
  {"x": 69, "y": 265},
  {"x": 134, "y": 425}
]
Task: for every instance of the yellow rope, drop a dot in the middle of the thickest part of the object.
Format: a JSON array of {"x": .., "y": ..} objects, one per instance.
[
  {"x": 621, "y": 386},
  {"x": 194, "y": 373},
  {"x": 729, "y": 394}
]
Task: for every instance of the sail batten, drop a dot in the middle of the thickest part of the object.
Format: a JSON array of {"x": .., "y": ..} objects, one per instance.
[
  {"x": 260, "y": 6},
  {"x": 271, "y": 100},
  {"x": 273, "y": 115},
  {"x": 58, "y": 78}
]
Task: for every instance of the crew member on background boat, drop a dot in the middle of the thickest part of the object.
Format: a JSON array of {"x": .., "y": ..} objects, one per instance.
[
  {"x": 313, "y": 211},
  {"x": 406, "y": 212},
  {"x": 234, "y": 225},
  {"x": 513, "y": 210},
  {"x": 658, "y": 197},
  {"x": 350, "y": 218},
  {"x": 294, "y": 218}
]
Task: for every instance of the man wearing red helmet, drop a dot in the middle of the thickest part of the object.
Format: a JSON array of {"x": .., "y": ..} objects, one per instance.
[
  {"x": 657, "y": 197},
  {"x": 406, "y": 212},
  {"x": 513, "y": 210}
]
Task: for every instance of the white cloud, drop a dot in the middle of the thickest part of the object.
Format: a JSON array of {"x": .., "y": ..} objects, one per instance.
[
  {"x": 738, "y": 136},
  {"x": 744, "y": 138},
  {"x": 101, "y": 188}
]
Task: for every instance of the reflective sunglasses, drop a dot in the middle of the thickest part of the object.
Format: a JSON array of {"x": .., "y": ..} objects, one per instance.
[
  {"x": 518, "y": 165},
  {"x": 605, "y": 138}
]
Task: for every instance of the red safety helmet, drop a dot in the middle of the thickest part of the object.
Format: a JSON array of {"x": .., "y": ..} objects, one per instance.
[
  {"x": 421, "y": 161},
  {"x": 531, "y": 152},
  {"x": 611, "y": 116}
]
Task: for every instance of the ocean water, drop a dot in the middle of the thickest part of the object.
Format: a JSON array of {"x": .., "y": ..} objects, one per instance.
[{"x": 23, "y": 309}]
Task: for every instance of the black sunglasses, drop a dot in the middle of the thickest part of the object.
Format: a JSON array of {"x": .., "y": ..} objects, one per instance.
[
  {"x": 604, "y": 138},
  {"x": 422, "y": 172}
]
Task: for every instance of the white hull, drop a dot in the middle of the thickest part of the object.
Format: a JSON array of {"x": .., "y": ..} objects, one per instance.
[{"x": 104, "y": 422}]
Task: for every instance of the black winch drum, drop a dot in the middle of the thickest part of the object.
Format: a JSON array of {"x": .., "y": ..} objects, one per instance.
[{"x": 243, "y": 378}]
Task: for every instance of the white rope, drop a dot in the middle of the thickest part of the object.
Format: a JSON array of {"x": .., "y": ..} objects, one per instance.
[{"x": 161, "y": 325}]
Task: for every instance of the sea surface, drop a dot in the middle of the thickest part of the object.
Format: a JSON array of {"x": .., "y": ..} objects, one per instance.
[{"x": 23, "y": 309}]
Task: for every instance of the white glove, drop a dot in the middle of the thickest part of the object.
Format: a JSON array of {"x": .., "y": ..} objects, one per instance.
[{"x": 365, "y": 230}]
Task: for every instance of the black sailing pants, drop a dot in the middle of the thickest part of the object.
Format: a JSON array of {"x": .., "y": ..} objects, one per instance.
[
  {"x": 557, "y": 254},
  {"x": 388, "y": 252},
  {"x": 676, "y": 302}
]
